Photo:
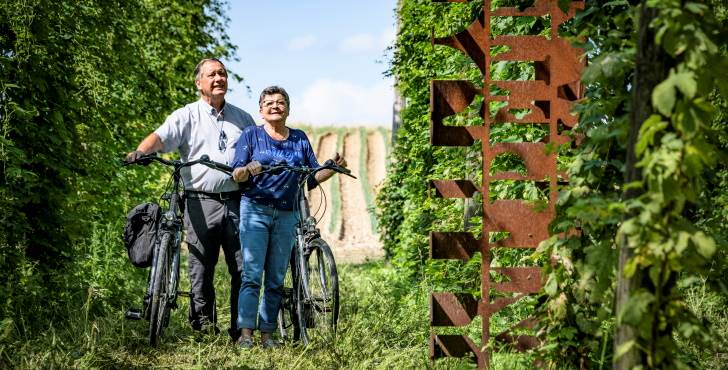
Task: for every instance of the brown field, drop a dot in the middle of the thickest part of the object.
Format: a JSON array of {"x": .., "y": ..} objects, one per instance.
[{"x": 352, "y": 239}]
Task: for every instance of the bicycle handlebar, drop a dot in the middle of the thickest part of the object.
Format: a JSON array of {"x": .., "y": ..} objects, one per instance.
[
  {"x": 307, "y": 171},
  {"x": 204, "y": 160}
]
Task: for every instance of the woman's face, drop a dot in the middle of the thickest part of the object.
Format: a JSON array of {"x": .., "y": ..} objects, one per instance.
[{"x": 274, "y": 109}]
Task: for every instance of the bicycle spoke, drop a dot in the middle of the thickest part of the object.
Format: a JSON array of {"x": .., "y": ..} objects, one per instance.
[{"x": 322, "y": 306}]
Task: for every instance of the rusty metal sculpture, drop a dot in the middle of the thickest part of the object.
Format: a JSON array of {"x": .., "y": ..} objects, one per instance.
[{"x": 548, "y": 98}]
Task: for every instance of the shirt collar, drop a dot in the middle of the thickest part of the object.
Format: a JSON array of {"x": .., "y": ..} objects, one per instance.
[{"x": 210, "y": 110}]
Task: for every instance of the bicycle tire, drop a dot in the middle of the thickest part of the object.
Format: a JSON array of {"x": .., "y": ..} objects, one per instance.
[
  {"x": 160, "y": 286},
  {"x": 321, "y": 311},
  {"x": 287, "y": 325},
  {"x": 299, "y": 316}
]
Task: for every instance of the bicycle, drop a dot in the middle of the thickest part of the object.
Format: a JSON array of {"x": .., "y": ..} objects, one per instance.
[
  {"x": 311, "y": 288},
  {"x": 163, "y": 281}
]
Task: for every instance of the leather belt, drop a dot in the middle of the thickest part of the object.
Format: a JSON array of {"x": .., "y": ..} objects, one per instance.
[{"x": 192, "y": 194}]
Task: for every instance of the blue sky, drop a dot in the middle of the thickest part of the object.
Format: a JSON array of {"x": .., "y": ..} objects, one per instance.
[{"x": 328, "y": 55}]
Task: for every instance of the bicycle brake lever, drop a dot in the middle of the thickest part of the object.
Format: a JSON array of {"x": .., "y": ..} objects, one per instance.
[{"x": 341, "y": 170}]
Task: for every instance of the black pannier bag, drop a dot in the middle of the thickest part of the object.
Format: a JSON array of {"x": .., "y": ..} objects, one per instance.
[{"x": 140, "y": 233}]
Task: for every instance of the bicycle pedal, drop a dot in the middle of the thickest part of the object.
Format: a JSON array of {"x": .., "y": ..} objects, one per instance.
[{"x": 133, "y": 314}]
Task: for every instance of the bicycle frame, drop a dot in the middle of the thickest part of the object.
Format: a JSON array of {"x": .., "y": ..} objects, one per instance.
[
  {"x": 306, "y": 232},
  {"x": 169, "y": 237},
  {"x": 171, "y": 223}
]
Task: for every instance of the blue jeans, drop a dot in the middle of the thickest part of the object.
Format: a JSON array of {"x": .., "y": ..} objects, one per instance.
[{"x": 267, "y": 236}]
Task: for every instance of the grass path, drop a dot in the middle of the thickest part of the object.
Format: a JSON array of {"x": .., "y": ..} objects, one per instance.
[{"x": 382, "y": 325}]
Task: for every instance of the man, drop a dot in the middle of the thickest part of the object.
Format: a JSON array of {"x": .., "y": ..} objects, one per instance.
[{"x": 210, "y": 127}]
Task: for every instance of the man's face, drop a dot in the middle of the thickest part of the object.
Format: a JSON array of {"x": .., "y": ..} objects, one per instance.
[
  {"x": 213, "y": 79},
  {"x": 273, "y": 108}
]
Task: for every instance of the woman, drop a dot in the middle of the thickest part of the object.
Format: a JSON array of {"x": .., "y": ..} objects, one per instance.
[{"x": 267, "y": 218}]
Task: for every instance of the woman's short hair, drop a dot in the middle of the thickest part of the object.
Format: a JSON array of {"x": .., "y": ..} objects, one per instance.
[
  {"x": 198, "y": 68},
  {"x": 272, "y": 90}
]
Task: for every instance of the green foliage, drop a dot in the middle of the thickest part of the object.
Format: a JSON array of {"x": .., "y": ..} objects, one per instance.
[
  {"x": 677, "y": 224},
  {"x": 336, "y": 207},
  {"x": 408, "y": 212},
  {"x": 364, "y": 176},
  {"x": 671, "y": 224},
  {"x": 80, "y": 84}
]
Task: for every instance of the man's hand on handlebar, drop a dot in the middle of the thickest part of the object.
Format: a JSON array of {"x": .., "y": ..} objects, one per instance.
[{"x": 133, "y": 156}]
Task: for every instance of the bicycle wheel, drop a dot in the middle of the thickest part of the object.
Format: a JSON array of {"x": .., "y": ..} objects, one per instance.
[
  {"x": 322, "y": 308},
  {"x": 299, "y": 312},
  {"x": 159, "y": 308},
  {"x": 287, "y": 325}
]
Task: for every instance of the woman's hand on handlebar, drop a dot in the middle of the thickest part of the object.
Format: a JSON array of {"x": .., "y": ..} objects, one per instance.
[
  {"x": 339, "y": 160},
  {"x": 241, "y": 174},
  {"x": 254, "y": 167}
]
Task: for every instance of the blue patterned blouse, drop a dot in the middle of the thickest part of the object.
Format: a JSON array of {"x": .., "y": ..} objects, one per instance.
[{"x": 273, "y": 190}]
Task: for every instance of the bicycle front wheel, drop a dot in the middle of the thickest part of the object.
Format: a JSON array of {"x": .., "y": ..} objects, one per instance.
[
  {"x": 159, "y": 308},
  {"x": 321, "y": 309},
  {"x": 287, "y": 319}
]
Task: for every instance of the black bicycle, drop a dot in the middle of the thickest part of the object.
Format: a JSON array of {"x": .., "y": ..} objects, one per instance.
[
  {"x": 163, "y": 282},
  {"x": 311, "y": 287}
]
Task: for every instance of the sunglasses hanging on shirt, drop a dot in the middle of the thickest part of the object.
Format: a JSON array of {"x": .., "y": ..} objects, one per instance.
[{"x": 222, "y": 141}]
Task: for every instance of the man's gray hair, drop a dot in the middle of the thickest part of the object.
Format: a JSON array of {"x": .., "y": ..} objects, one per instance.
[
  {"x": 198, "y": 68},
  {"x": 272, "y": 90}
]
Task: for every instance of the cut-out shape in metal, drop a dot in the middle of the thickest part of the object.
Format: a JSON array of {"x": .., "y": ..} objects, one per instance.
[{"x": 547, "y": 100}]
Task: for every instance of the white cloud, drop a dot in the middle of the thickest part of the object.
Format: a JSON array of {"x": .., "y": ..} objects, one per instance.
[
  {"x": 364, "y": 42},
  {"x": 387, "y": 38},
  {"x": 358, "y": 43},
  {"x": 342, "y": 103},
  {"x": 301, "y": 42}
]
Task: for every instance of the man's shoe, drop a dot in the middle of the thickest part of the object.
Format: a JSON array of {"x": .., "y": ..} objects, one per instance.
[
  {"x": 269, "y": 343},
  {"x": 245, "y": 342}
]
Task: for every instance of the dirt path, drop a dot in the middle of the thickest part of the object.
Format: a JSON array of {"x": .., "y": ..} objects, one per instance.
[
  {"x": 325, "y": 149},
  {"x": 356, "y": 242},
  {"x": 376, "y": 160}
]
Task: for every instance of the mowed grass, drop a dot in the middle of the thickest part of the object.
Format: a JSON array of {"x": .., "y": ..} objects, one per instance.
[{"x": 383, "y": 324}]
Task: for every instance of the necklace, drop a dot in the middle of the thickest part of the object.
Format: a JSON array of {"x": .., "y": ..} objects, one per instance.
[{"x": 222, "y": 139}]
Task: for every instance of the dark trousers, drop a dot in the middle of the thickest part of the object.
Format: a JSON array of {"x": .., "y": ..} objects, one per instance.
[{"x": 212, "y": 222}]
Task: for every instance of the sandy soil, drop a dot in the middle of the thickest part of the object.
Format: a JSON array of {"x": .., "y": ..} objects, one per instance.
[
  {"x": 376, "y": 160},
  {"x": 325, "y": 149},
  {"x": 356, "y": 241}
]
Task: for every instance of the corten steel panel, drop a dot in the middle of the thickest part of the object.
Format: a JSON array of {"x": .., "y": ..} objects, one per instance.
[
  {"x": 527, "y": 226},
  {"x": 473, "y": 41},
  {"x": 446, "y": 99},
  {"x": 539, "y": 163},
  {"x": 453, "y": 188},
  {"x": 521, "y": 279},
  {"x": 456, "y": 346},
  {"x": 448, "y": 309},
  {"x": 454, "y": 245},
  {"x": 546, "y": 100},
  {"x": 518, "y": 342}
]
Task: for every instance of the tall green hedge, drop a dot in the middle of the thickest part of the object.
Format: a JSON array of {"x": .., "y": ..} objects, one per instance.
[
  {"x": 81, "y": 83},
  {"x": 678, "y": 225}
]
